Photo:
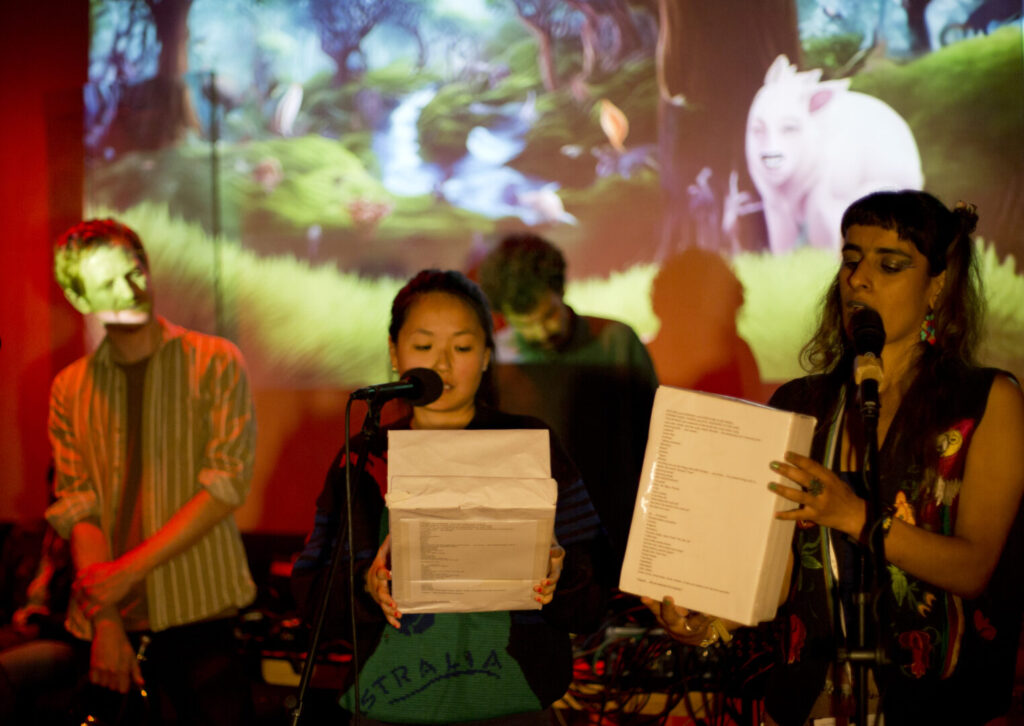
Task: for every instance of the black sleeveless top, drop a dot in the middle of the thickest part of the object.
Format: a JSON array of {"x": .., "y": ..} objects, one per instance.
[{"x": 952, "y": 660}]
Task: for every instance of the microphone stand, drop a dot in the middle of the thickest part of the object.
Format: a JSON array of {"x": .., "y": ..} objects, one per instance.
[
  {"x": 861, "y": 657},
  {"x": 370, "y": 429}
]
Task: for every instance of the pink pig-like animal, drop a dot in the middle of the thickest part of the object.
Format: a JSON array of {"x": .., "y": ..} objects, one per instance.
[{"x": 815, "y": 147}]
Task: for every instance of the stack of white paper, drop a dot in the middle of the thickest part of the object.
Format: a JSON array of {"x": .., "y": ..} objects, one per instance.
[
  {"x": 703, "y": 529},
  {"x": 472, "y": 518}
]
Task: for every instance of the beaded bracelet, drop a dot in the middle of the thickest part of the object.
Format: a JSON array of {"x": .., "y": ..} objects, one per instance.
[
  {"x": 883, "y": 523},
  {"x": 886, "y": 525}
]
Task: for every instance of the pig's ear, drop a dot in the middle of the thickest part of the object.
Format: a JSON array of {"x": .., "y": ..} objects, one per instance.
[
  {"x": 819, "y": 99},
  {"x": 779, "y": 69},
  {"x": 825, "y": 92},
  {"x": 811, "y": 77}
]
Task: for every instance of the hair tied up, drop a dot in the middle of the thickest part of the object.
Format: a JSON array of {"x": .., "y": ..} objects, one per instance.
[{"x": 966, "y": 215}]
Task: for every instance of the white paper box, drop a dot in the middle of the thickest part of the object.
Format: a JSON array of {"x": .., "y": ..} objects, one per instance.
[
  {"x": 703, "y": 528},
  {"x": 471, "y": 518}
]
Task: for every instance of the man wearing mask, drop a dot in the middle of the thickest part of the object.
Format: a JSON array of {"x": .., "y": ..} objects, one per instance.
[{"x": 153, "y": 437}]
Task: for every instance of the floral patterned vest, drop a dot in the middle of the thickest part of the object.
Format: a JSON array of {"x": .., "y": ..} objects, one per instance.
[{"x": 947, "y": 654}]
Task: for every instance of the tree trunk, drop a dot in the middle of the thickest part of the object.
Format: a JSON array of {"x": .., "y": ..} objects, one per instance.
[
  {"x": 421, "y": 47},
  {"x": 545, "y": 53},
  {"x": 628, "y": 36},
  {"x": 171, "y": 20},
  {"x": 588, "y": 35},
  {"x": 159, "y": 112},
  {"x": 919, "y": 42},
  {"x": 711, "y": 60},
  {"x": 343, "y": 75}
]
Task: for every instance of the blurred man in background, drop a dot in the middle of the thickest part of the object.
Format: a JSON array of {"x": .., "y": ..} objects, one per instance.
[{"x": 589, "y": 378}]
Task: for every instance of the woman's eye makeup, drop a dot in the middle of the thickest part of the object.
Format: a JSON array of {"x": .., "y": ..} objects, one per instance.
[
  {"x": 895, "y": 264},
  {"x": 886, "y": 264}
]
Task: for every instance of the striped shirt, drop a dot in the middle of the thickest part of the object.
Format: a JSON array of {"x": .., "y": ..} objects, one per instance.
[{"x": 198, "y": 433}]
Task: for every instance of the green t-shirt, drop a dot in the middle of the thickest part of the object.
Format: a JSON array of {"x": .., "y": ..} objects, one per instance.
[{"x": 443, "y": 668}]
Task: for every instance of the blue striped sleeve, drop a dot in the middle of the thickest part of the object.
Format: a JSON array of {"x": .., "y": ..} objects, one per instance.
[{"x": 575, "y": 517}]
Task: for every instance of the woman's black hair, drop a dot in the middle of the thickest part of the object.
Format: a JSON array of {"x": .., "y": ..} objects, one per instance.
[
  {"x": 450, "y": 282},
  {"x": 943, "y": 236}
]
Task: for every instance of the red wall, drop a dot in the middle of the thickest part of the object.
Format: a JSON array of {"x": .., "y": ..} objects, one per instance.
[
  {"x": 43, "y": 52},
  {"x": 43, "y": 64}
]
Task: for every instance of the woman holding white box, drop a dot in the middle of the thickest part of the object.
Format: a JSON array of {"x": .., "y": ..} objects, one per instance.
[
  {"x": 951, "y": 435},
  {"x": 503, "y": 667}
]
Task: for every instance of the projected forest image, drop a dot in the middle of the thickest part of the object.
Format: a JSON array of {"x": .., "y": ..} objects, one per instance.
[{"x": 289, "y": 163}]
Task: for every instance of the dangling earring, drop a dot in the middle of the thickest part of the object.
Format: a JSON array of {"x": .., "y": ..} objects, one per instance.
[{"x": 928, "y": 328}]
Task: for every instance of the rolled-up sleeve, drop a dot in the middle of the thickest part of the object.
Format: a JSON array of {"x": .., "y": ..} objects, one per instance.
[
  {"x": 76, "y": 497},
  {"x": 226, "y": 471}
]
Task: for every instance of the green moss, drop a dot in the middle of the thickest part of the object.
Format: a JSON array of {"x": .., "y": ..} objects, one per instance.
[
  {"x": 445, "y": 122},
  {"x": 397, "y": 79},
  {"x": 830, "y": 53},
  {"x": 520, "y": 55},
  {"x": 324, "y": 184},
  {"x": 320, "y": 179},
  {"x": 360, "y": 144},
  {"x": 965, "y": 153}
]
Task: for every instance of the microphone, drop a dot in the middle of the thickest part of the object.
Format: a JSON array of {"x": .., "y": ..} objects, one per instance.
[
  {"x": 868, "y": 335},
  {"x": 420, "y": 385}
]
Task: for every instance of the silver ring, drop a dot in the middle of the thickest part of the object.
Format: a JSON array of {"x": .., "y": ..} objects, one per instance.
[{"x": 816, "y": 487}]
